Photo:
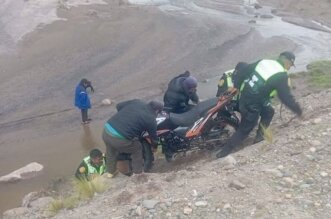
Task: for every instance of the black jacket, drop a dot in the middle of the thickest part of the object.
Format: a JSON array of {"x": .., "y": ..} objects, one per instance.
[
  {"x": 176, "y": 97},
  {"x": 278, "y": 82},
  {"x": 133, "y": 118}
]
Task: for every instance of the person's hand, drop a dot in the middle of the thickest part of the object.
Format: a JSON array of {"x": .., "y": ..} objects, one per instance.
[{"x": 92, "y": 89}]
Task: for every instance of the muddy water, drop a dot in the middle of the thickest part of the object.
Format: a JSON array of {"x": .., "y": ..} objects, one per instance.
[
  {"x": 311, "y": 44},
  {"x": 60, "y": 155}
]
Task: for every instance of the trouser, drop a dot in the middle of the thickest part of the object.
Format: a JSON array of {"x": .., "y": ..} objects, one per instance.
[
  {"x": 84, "y": 115},
  {"x": 267, "y": 113},
  {"x": 249, "y": 118},
  {"x": 115, "y": 145}
]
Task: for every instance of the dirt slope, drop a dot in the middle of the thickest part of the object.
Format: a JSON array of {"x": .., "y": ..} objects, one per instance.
[{"x": 289, "y": 178}]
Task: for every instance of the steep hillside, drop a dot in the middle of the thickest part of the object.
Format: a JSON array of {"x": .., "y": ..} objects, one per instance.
[{"x": 289, "y": 178}]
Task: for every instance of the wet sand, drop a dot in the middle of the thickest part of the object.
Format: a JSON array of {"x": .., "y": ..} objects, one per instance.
[{"x": 128, "y": 52}]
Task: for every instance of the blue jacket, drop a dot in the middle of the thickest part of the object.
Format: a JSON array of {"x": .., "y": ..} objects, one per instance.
[{"x": 82, "y": 100}]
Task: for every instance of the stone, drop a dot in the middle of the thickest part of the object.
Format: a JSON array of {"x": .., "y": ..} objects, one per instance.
[
  {"x": 309, "y": 180},
  {"x": 266, "y": 16},
  {"x": 288, "y": 196},
  {"x": 315, "y": 143},
  {"x": 194, "y": 193},
  {"x": 150, "y": 204},
  {"x": 289, "y": 182},
  {"x": 310, "y": 157},
  {"x": 15, "y": 213},
  {"x": 312, "y": 149},
  {"x": 324, "y": 174},
  {"x": 226, "y": 206},
  {"x": 257, "y": 6},
  {"x": 274, "y": 172},
  {"x": 228, "y": 161},
  {"x": 201, "y": 204},
  {"x": 41, "y": 203},
  {"x": 29, "y": 171},
  {"x": 304, "y": 186},
  {"x": 106, "y": 102},
  {"x": 237, "y": 185},
  {"x": 139, "y": 211},
  {"x": 29, "y": 198},
  {"x": 317, "y": 121},
  {"x": 187, "y": 210},
  {"x": 280, "y": 167}
]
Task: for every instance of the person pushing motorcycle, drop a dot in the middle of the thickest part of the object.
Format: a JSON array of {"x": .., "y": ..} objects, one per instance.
[
  {"x": 268, "y": 76},
  {"x": 181, "y": 90},
  {"x": 122, "y": 131}
]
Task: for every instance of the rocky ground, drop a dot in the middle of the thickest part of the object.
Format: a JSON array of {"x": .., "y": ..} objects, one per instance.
[{"x": 289, "y": 178}]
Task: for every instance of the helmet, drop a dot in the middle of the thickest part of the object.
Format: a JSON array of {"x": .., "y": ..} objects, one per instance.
[{"x": 190, "y": 82}]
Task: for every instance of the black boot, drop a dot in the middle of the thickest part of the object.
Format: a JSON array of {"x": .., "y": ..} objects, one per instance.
[{"x": 258, "y": 138}]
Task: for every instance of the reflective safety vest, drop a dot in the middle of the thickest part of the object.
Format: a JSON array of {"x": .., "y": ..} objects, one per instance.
[
  {"x": 229, "y": 81},
  {"x": 264, "y": 70},
  {"x": 91, "y": 169}
]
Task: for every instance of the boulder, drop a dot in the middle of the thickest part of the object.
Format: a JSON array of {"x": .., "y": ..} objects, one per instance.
[
  {"x": 106, "y": 102},
  {"x": 29, "y": 171},
  {"x": 16, "y": 213}
]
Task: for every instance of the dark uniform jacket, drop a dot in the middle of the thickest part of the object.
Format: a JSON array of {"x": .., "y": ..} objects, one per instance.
[
  {"x": 278, "y": 82},
  {"x": 176, "y": 97},
  {"x": 133, "y": 118}
]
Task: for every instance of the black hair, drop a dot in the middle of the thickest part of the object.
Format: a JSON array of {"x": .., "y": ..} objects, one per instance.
[
  {"x": 156, "y": 105},
  {"x": 94, "y": 153}
]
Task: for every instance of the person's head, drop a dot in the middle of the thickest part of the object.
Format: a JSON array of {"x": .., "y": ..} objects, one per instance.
[
  {"x": 85, "y": 83},
  {"x": 96, "y": 157},
  {"x": 190, "y": 84},
  {"x": 240, "y": 66},
  {"x": 287, "y": 58},
  {"x": 157, "y": 106}
]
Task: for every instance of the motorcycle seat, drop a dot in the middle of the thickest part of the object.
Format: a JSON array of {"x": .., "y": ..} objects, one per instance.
[{"x": 188, "y": 118}]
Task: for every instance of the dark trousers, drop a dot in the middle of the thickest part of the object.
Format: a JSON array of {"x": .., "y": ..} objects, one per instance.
[
  {"x": 84, "y": 115},
  {"x": 114, "y": 146},
  {"x": 249, "y": 118},
  {"x": 267, "y": 113}
]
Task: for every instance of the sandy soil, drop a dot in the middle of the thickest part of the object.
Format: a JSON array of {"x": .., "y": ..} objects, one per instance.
[{"x": 128, "y": 51}]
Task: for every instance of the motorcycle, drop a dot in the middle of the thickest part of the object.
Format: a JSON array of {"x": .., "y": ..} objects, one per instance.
[{"x": 203, "y": 127}]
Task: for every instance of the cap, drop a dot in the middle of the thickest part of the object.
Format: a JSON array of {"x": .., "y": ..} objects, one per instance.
[{"x": 288, "y": 55}]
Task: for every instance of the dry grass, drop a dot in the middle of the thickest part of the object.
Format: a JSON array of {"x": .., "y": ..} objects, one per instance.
[{"x": 83, "y": 190}]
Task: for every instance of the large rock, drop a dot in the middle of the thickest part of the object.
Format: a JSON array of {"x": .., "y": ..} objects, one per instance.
[
  {"x": 29, "y": 171},
  {"x": 16, "y": 213}
]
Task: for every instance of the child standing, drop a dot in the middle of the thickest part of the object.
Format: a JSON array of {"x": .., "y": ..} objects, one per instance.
[{"x": 82, "y": 100}]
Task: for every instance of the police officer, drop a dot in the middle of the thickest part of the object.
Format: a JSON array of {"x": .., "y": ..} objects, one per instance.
[
  {"x": 268, "y": 76},
  {"x": 91, "y": 166},
  {"x": 228, "y": 78}
]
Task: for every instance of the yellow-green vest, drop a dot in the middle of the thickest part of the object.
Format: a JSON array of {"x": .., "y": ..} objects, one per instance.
[
  {"x": 266, "y": 69},
  {"x": 91, "y": 170},
  {"x": 229, "y": 77}
]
